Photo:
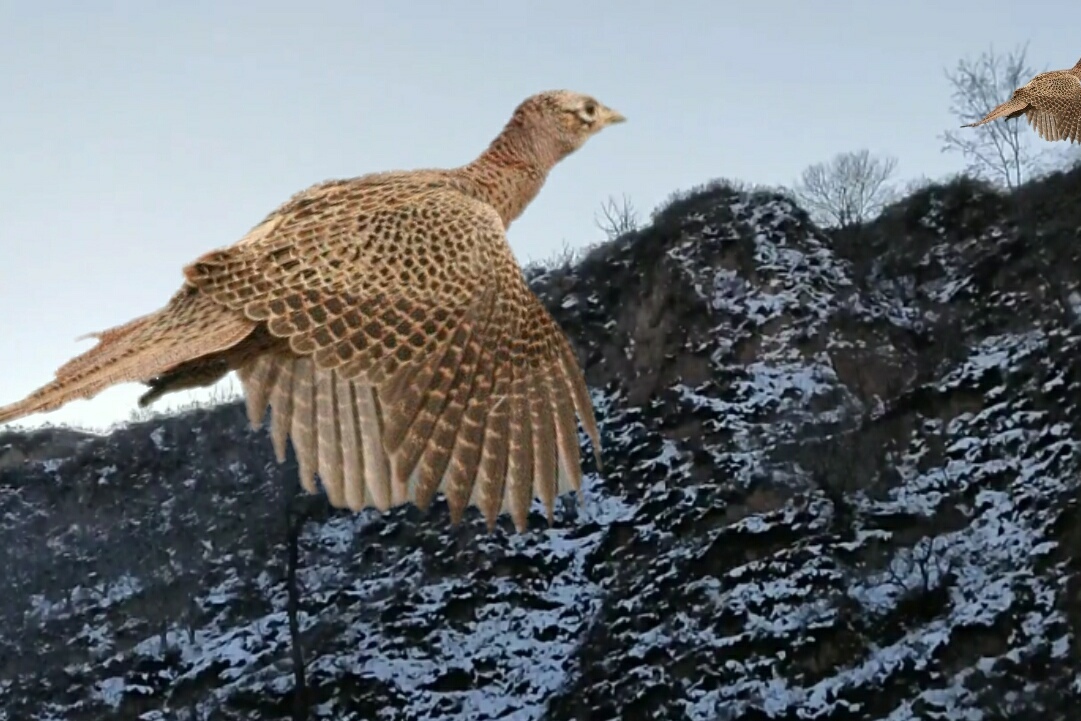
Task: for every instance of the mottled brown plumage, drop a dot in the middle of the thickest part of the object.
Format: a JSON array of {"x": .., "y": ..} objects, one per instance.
[
  {"x": 1051, "y": 102},
  {"x": 387, "y": 325}
]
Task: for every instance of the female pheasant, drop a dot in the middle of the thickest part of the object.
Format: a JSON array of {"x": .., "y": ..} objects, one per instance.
[
  {"x": 1052, "y": 103},
  {"x": 387, "y": 325}
]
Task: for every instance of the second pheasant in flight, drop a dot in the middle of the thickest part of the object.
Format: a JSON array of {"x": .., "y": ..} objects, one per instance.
[{"x": 1051, "y": 101}]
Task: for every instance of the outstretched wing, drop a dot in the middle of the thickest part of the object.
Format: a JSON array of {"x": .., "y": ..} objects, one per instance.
[
  {"x": 413, "y": 356},
  {"x": 1055, "y": 110}
]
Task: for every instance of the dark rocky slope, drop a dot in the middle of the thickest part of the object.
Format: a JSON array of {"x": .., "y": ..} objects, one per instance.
[{"x": 841, "y": 483}]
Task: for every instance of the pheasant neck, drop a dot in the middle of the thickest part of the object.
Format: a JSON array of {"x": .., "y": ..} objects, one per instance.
[{"x": 510, "y": 173}]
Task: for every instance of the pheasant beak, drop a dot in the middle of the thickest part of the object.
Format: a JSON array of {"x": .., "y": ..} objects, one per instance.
[{"x": 611, "y": 117}]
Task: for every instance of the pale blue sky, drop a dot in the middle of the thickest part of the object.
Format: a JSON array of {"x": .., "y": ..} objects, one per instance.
[{"x": 136, "y": 135}]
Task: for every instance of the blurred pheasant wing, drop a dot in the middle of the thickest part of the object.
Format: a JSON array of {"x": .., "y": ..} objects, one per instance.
[
  {"x": 413, "y": 356},
  {"x": 1055, "y": 110}
]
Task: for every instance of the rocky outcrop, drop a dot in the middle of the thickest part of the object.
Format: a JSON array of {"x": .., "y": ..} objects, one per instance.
[{"x": 841, "y": 482}]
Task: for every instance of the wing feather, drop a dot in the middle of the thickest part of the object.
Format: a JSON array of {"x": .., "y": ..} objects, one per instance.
[
  {"x": 566, "y": 427},
  {"x": 464, "y": 468},
  {"x": 381, "y": 490},
  {"x": 412, "y": 360},
  {"x": 435, "y": 460},
  {"x": 426, "y": 401},
  {"x": 281, "y": 403},
  {"x": 303, "y": 426},
  {"x": 258, "y": 379},
  {"x": 576, "y": 385},
  {"x": 492, "y": 476},
  {"x": 328, "y": 437},
  {"x": 546, "y": 452},
  {"x": 352, "y": 445},
  {"x": 519, "y": 483},
  {"x": 440, "y": 408},
  {"x": 1055, "y": 111}
]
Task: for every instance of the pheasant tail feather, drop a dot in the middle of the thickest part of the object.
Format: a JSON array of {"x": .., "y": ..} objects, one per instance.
[
  {"x": 140, "y": 350},
  {"x": 1009, "y": 109}
]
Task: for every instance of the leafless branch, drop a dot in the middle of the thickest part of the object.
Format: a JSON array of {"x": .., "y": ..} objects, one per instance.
[
  {"x": 849, "y": 189},
  {"x": 1002, "y": 151},
  {"x": 617, "y": 217},
  {"x": 922, "y": 568}
]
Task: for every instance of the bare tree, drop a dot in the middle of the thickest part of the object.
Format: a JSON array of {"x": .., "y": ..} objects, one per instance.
[
  {"x": 1002, "y": 151},
  {"x": 849, "y": 189},
  {"x": 617, "y": 217}
]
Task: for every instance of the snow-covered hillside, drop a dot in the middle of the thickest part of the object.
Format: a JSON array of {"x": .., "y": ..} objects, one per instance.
[{"x": 841, "y": 482}]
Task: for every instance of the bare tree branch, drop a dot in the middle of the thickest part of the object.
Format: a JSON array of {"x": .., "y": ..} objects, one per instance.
[
  {"x": 849, "y": 189},
  {"x": 617, "y": 217},
  {"x": 1002, "y": 151}
]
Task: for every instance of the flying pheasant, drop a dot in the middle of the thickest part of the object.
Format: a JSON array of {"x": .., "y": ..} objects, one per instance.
[
  {"x": 1052, "y": 103},
  {"x": 387, "y": 324}
]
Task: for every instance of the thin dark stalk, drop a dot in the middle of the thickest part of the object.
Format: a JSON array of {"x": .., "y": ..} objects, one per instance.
[{"x": 295, "y": 518}]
